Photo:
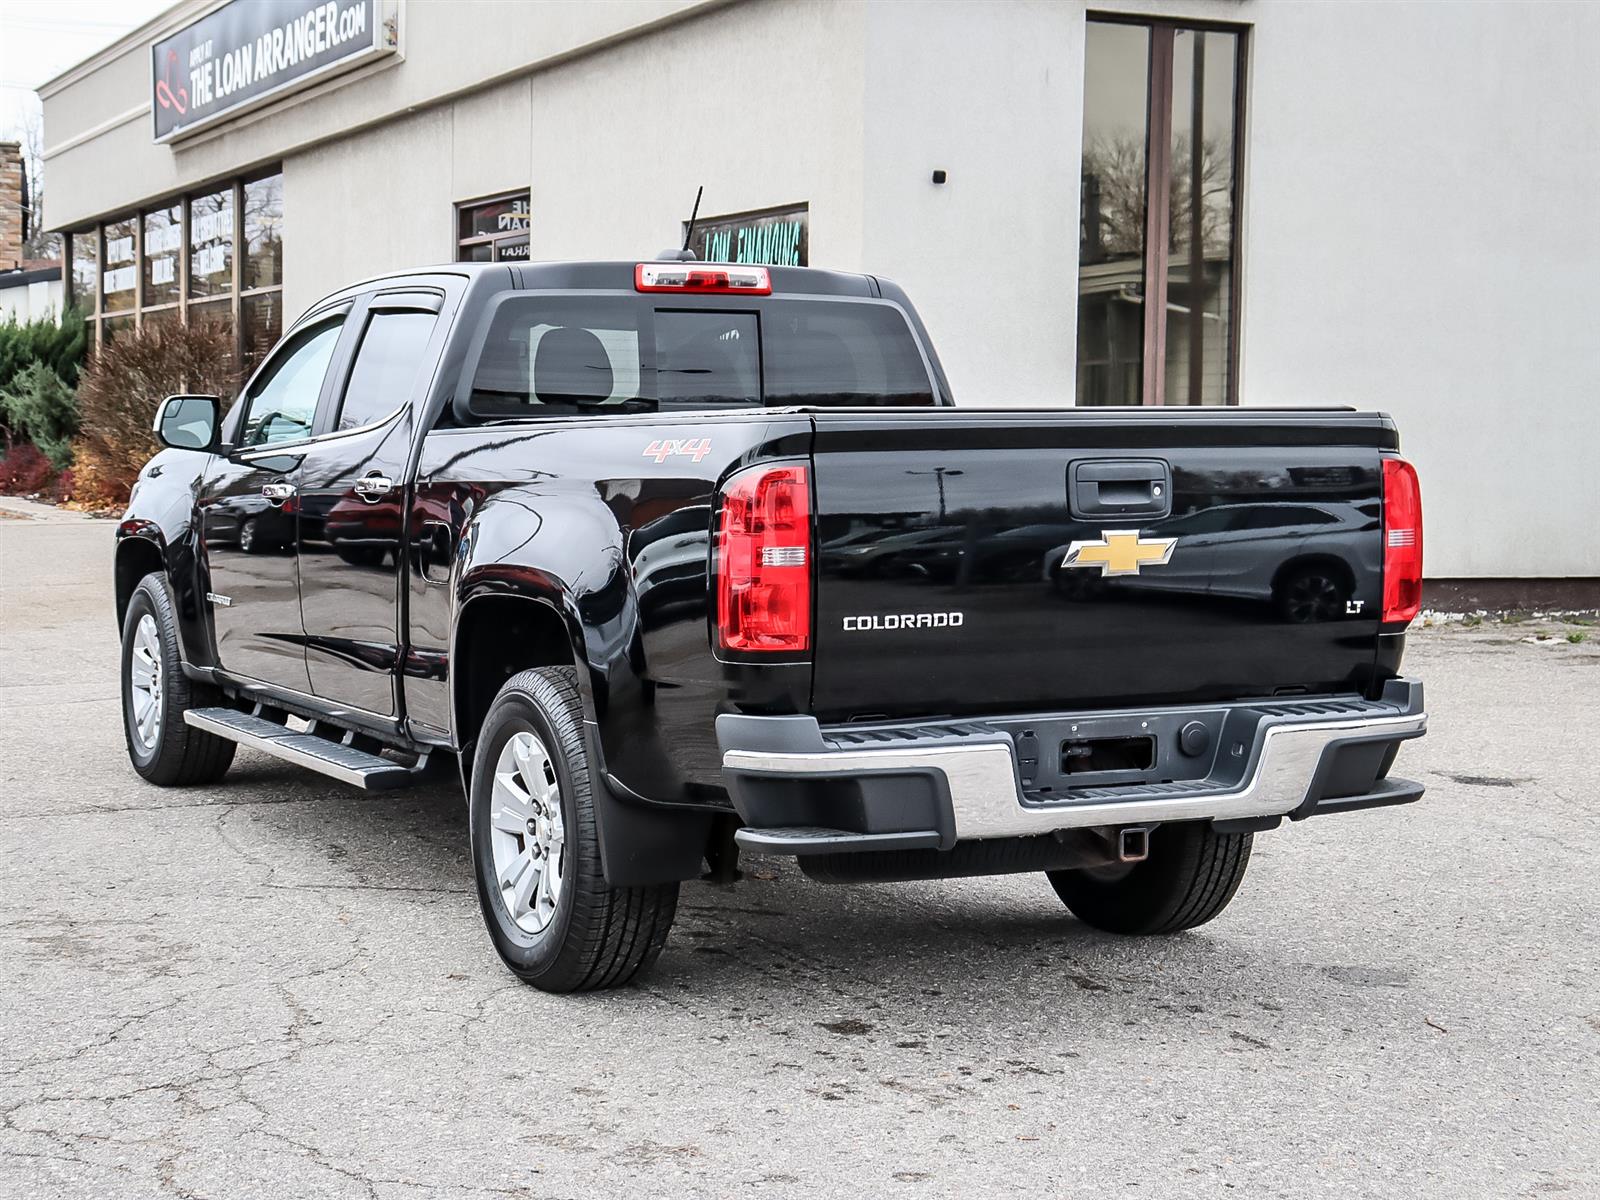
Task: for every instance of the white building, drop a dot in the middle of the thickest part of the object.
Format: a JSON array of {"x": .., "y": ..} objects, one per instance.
[
  {"x": 1396, "y": 199},
  {"x": 30, "y": 294}
]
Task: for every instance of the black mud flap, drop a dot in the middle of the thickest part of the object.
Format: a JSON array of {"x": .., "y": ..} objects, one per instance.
[{"x": 642, "y": 843}]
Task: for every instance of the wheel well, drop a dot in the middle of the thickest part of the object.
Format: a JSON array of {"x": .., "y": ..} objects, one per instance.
[
  {"x": 498, "y": 637},
  {"x": 1330, "y": 562},
  {"x": 136, "y": 558}
]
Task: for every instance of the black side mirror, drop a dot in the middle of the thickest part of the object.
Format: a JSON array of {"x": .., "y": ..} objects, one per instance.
[{"x": 189, "y": 422}]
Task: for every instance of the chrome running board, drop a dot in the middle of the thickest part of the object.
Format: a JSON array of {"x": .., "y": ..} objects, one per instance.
[{"x": 338, "y": 760}]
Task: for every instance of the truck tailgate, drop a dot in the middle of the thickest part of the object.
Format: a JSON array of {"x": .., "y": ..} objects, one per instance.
[{"x": 980, "y": 561}]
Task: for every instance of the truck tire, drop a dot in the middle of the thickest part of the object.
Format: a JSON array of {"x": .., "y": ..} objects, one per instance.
[
  {"x": 553, "y": 919},
  {"x": 156, "y": 692},
  {"x": 1191, "y": 874}
]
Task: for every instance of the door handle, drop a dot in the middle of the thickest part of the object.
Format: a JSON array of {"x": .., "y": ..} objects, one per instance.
[
  {"x": 277, "y": 493},
  {"x": 1130, "y": 487},
  {"x": 373, "y": 487}
]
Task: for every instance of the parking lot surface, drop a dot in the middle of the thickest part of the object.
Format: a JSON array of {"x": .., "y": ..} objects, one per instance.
[{"x": 280, "y": 986}]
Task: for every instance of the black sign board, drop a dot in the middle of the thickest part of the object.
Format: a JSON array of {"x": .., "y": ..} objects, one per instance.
[
  {"x": 250, "y": 50},
  {"x": 777, "y": 237}
]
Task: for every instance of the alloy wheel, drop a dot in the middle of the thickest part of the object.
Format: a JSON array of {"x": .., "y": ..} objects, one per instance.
[
  {"x": 527, "y": 832},
  {"x": 144, "y": 674}
]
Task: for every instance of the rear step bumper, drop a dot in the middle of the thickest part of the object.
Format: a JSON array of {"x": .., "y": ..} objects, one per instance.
[{"x": 803, "y": 789}]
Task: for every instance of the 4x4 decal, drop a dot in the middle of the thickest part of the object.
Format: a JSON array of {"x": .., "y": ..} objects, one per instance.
[{"x": 664, "y": 448}]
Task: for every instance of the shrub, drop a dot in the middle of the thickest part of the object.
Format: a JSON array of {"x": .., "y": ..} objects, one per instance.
[
  {"x": 38, "y": 406},
  {"x": 24, "y": 471},
  {"x": 122, "y": 387},
  {"x": 60, "y": 345}
]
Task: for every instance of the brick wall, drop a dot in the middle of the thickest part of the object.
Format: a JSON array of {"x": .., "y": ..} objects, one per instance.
[{"x": 10, "y": 205}]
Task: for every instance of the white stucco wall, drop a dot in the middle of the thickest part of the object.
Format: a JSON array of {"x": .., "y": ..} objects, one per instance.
[
  {"x": 98, "y": 147},
  {"x": 1417, "y": 232},
  {"x": 379, "y": 201},
  {"x": 990, "y": 256},
  {"x": 612, "y": 147},
  {"x": 1420, "y": 237},
  {"x": 689, "y": 105}
]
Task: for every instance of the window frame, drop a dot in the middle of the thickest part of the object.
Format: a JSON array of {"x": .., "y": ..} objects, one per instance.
[
  {"x": 1158, "y": 176},
  {"x": 492, "y": 240},
  {"x": 287, "y": 345},
  {"x": 412, "y": 300}
]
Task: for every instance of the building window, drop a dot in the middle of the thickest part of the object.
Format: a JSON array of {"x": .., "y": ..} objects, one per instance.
[
  {"x": 211, "y": 245},
  {"x": 494, "y": 230},
  {"x": 85, "y": 258},
  {"x": 163, "y": 255},
  {"x": 772, "y": 236},
  {"x": 263, "y": 233},
  {"x": 1157, "y": 245},
  {"x": 120, "y": 275},
  {"x": 213, "y": 256}
]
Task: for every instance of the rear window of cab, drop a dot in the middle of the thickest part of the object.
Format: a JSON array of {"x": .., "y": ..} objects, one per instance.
[{"x": 552, "y": 354}]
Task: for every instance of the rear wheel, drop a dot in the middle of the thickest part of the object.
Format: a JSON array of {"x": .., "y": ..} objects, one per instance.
[
  {"x": 155, "y": 694},
  {"x": 551, "y": 915},
  {"x": 1189, "y": 877}
]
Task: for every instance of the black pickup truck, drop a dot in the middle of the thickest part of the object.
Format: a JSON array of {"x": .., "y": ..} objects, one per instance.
[{"x": 678, "y": 558}]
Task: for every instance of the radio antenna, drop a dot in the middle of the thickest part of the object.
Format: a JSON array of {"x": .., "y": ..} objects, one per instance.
[{"x": 688, "y": 234}]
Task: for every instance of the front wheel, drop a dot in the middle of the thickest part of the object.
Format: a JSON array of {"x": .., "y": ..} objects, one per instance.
[
  {"x": 1189, "y": 877},
  {"x": 553, "y": 919},
  {"x": 156, "y": 693}
]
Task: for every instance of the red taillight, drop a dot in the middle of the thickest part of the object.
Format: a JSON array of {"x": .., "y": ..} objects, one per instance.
[
  {"x": 686, "y": 277},
  {"x": 1402, "y": 541},
  {"x": 763, "y": 561}
]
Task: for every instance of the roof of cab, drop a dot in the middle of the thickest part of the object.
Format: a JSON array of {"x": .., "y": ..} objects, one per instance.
[
  {"x": 617, "y": 275},
  {"x": 614, "y": 275}
]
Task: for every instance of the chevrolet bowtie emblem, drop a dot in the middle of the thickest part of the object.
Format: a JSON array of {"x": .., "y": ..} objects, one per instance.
[{"x": 1119, "y": 552}]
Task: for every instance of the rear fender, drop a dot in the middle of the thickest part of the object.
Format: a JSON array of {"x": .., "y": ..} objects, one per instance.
[{"x": 563, "y": 556}]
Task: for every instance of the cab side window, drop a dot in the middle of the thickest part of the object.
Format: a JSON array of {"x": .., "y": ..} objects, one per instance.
[
  {"x": 282, "y": 403},
  {"x": 392, "y": 349}
]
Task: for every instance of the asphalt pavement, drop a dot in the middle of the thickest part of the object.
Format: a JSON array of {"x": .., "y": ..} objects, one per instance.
[{"x": 281, "y": 987}]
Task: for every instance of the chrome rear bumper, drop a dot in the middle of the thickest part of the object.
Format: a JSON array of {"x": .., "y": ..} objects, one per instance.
[{"x": 907, "y": 786}]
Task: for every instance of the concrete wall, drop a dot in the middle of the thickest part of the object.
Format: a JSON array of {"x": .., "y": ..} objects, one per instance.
[
  {"x": 1417, "y": 233},
  {"x": 338, "y": 227},
  {"x": 448, "y": 48},
  {"x": 1420, "y": 237},
  {"x": 612, "y": 149},
  {"x": 991, "y": 255},
  {"x": 690, "y": 105}
]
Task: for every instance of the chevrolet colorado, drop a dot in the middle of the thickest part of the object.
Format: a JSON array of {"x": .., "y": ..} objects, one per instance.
[{"x": 678, "y": 558}]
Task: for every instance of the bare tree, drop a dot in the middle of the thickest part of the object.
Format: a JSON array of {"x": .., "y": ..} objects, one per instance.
[
  {"x": 38, "y": 243},
  {"x": 1114, "y": 180}
]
